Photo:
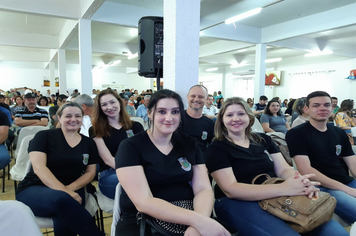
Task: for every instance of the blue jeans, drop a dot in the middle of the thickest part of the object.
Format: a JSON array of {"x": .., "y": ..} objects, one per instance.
[
  {"x": 4, "y": 156},
  {"x": 346, "y": 204},
  {"x": 107, "y": 182},
  {"x": 69, "y": 217},
  {"x": 251, "y": 220}
]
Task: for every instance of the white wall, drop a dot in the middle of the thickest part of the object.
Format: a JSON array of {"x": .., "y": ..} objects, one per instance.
[
  {"x": 33, "y": 78},
  {"x": 295, "y": 82},
  {"x": 298, "y": 81}
]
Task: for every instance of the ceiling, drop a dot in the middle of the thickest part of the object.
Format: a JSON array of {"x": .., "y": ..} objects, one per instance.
[{"x": 31, "y": 32}]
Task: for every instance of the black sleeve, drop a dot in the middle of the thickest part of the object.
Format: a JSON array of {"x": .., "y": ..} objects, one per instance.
[
  {"x": 270, "y": 145},
  {"x": 297, "y": 143},
  {"x": 39, "y": 143},
  {"x": 91, "y": 132},
  {"x": 136, "y": 127},
  {"x": 94, "y": 157},
  {"x": 4, "y": 121},
  {"x": 347, "y": 148},
  {"x": 128, "y": 154},
  {"x": 216, "y": 158}
]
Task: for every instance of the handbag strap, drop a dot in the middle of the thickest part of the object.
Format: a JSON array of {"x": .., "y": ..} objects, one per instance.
[
  {"x": 142, "y": 218},
  {"x": 258, "y": 176}
]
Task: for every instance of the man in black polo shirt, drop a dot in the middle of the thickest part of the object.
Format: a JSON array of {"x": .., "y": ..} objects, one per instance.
[
  {"x": 194, "y": 123},
  {"x": 323, "y": 150},
  {"x": 31, "y": 115},
  {"x": 4, "y": 131}
]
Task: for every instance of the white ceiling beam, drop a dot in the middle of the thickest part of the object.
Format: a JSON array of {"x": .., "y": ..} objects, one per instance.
[
  {"x": 32, "y": 55},
  {"x": 220, "y": 46},
  {"x": 122, "y": 14},
  {"x": 88, "y": 8},
  {"x": 327, "y": 20},
  {"x": 304, "y": 43},
  {"x": 68, "y": 9},
  {"x": 28, "y": 40},
  {"x": 241, "y": 33}
]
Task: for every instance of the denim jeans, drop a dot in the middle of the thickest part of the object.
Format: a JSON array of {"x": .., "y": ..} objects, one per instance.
[
  {"x": 251, "y": 220},
  {"x": 69, "y": 217},
  {"x": 107, "y": 182},
  {"x": 4, "y": 156},
  {"x": 346, "y": 204}
]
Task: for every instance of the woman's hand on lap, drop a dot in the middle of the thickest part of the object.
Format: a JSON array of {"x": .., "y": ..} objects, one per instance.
[{"x": 210, "y": 227}]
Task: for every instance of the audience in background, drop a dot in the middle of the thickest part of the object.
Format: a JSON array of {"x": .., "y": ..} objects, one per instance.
[
  {"x": 142, "y": 109},
  {"x": 53, "y": 110},
  {"x": 259, "y": 107},
  {"x": 86, "y": 103},
  {"x": 302, "y": 110},
  {"x": 31, "y": 115},
  {"x": 273, "y": 120}
]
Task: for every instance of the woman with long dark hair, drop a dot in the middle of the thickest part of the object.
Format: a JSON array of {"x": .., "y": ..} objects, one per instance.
[{"x": 160, "y": 167}]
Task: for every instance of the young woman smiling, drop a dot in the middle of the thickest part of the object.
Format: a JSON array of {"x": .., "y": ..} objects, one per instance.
[
  {"x": 111, "y": 124},
  {"x": 235, "y": 157},
  {"x": 160, "y": 166}
]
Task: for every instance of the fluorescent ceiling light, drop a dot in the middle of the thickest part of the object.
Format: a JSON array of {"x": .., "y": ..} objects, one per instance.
[
  {"x": 273, "y": 60},
  {"x": 319, "y": 53},
  {"x": 238, "y": 65},
  {"x": 212, "y": 69},
  {"x": 132, "y": 56},
  {"x": 243, "y": 15}
]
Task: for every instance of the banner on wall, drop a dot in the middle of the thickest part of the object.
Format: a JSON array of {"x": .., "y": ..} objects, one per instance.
[
  {"x": 273, "y": 78},
  {"x": 352, "y": 74}
]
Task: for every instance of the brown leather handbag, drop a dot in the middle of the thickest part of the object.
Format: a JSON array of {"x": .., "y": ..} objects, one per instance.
[{"x": 300, "y": 212}]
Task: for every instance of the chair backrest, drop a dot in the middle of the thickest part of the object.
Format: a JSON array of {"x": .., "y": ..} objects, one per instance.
[
  {"x": 117, "y": 210},
  {"x": 140, "y": 120},
  {"x": 257, "y": 127},
  {"x": 25, "y": 131},
  {"x": 283, "y": 109},
  {"x": 19, "y": 170}
]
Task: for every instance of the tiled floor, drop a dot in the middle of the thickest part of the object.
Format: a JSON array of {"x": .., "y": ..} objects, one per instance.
[{"x": 9, "y": 194}]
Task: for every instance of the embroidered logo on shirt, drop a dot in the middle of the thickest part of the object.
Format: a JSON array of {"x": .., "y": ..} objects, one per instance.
[
  {"x": 129, "y": 133},
  {"x": 85, "y": 159},
  {"x": 338, "y": 150},
  {"x": 185, "y": 164},
  {"x": 269, "y": 155},
  {"x": 204, "y": 135}
]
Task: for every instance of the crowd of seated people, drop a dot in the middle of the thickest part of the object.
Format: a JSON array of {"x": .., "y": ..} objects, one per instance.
[{"x": 166, "y": 162}]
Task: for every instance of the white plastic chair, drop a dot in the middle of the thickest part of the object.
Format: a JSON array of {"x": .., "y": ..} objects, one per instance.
[
  {"x": 140, "y": 120},
  {"x": 105, "y": 204},
  {"x": 25, "y": 131},
  {"x": 19, "y": 170},
  {"x": 257, "y": 127},
  {"x": 47, "y": 222},
  {"x": 117, "y": 210}
]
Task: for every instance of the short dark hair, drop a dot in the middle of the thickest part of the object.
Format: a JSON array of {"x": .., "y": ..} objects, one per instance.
[
  {"x": 263, "y": 98},
  {"x": 334, "y": 98},
  {"x": 316, "y": 94}
]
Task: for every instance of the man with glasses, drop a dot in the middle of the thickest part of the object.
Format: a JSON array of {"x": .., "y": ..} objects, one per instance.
[{"x": 325, "y": 151}]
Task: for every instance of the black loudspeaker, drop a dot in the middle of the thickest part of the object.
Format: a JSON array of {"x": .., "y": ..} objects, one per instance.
[{"x": 150, "y": 53}]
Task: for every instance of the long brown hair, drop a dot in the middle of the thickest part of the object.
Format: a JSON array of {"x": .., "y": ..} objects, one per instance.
[
  {"x": 100, "y": 121},
  {"x": 220, "y": 130}
]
